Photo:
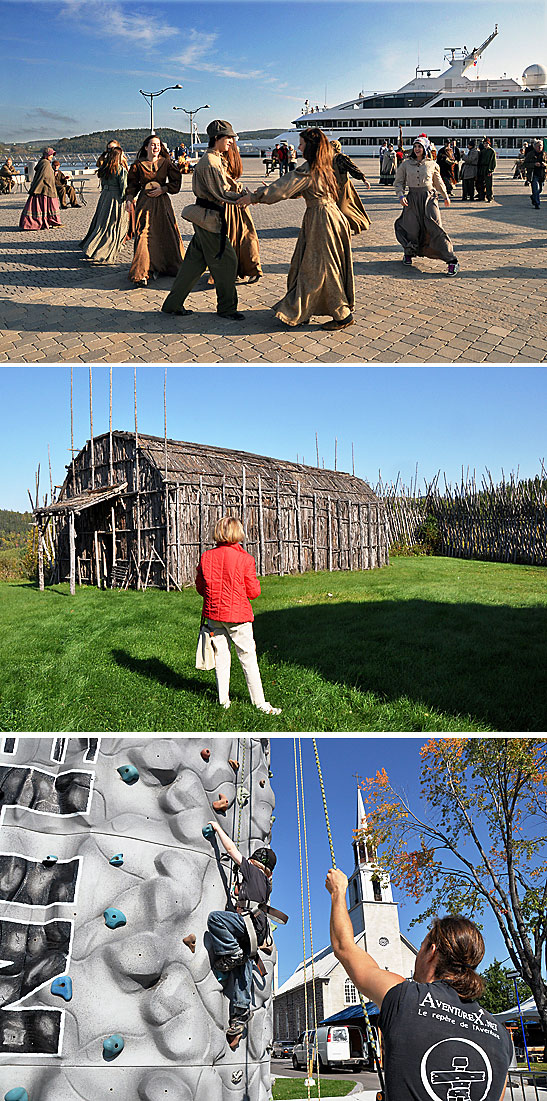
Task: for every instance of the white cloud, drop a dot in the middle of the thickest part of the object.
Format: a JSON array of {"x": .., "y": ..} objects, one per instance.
[
  {"x": 198, "y": 46},
  {"x": 102, "y": 18}
]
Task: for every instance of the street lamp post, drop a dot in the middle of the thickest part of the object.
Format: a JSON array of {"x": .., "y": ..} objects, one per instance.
[
  {"x": 191, "y": 114},
  {"x": 152, "y": 95},
  {"x": 514, "y": 975}
]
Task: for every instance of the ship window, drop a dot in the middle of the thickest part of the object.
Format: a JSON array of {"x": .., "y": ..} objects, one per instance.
[
  {"x": 524, "y": 102},
  {"x": 502, "y": 104}
]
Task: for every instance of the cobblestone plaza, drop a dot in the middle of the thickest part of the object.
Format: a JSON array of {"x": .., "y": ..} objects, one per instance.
[{"x": 57, "y": 307}]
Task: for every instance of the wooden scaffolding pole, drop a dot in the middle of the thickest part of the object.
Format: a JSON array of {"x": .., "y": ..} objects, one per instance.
[
  {"x": 40, "y": 558},
  {"x": 138, "y": 482},
  {"x": 261, "y": 544},
  {"x": 244, "y": 500},
  {"x": 299, "y": 527},
  {"x": 329, "y": 536},
  {"x": 72, "y": 552},
  {"x": 280, "y": 552},
  {"x": 91, "y": 443},
  {"x": 167, "y": 537},
  {"x": 315, "y": 548}
]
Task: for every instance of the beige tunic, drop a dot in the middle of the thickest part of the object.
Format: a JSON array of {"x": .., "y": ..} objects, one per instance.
[
  {"x": 320, "y": 280},
  {"x": 209, "y": 181},
  {"x": 411, "y": 173},
  {"x": 43, "y": 181}
]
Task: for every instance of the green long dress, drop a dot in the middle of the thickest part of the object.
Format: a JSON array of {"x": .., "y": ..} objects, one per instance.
[{"x": 108, "y": 228}]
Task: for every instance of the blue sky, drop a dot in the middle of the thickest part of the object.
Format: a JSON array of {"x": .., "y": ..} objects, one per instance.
[
  {"x": 340, "y": 759},
  {"x": 75, "y": 66},
  {"x": 396, "y": 417}
]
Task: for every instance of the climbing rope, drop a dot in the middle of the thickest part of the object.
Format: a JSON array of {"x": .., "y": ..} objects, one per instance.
[
  {"x": 370, "y": 1035},
  {"x": 306, "y": 1030},
  {"x": 242, "y": 774},
  {"x": 310, "y": 925}
]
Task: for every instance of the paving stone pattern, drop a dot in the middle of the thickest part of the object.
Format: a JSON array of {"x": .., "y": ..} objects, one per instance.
[{"x": 57, "y": 307}]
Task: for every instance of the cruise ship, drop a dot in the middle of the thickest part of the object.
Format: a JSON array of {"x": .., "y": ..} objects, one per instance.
[{"x": 447, "y": 104}]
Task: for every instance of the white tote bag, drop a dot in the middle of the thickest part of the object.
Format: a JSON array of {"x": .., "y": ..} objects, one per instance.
[{"x": 205, "y": 654}]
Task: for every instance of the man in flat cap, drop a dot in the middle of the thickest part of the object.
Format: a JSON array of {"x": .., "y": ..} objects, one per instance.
[{"x": 210, "y": 246}]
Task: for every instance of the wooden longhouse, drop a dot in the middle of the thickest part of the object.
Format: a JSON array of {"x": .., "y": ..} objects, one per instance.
[{"x": 139, "y": 510}]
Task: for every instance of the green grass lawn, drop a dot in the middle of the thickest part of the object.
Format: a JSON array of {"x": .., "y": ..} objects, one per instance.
[
  {"x": 425, "y": 644},
  {"x": 285, "y": 1089}
]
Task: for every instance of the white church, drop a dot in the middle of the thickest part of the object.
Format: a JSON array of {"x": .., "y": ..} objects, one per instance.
[{"x": 375, "y": 919}]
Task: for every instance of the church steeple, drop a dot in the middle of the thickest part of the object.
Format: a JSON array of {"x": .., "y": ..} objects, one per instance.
[{"x": 366, "y": 889}]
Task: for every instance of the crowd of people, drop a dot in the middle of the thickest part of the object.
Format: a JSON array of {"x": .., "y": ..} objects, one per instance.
[{"x": 135, "y": 204}]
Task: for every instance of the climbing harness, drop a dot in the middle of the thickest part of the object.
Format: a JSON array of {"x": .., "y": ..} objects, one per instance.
[{"x": 370, "y": 1035}]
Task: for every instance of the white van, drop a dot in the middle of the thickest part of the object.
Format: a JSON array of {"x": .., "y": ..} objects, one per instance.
[{"x": 337, "y": 1046}]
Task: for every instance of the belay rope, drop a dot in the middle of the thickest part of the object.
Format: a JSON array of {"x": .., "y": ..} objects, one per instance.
[
  {"x": 309, "y": 1059},
  {"x": 370, "y": 1035}
]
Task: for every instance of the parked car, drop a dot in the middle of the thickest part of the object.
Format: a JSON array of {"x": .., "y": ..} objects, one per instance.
[
  {"x": 282, "y": 1049},
  {"x": 337, "y": 1046}
]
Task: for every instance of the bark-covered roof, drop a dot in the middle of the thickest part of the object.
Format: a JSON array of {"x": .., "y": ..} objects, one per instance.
[{"x": 212, "y": 463}]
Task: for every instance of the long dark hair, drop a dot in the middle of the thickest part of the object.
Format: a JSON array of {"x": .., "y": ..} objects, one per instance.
[
  {"x": 111, "y": 160},
  {"x": 318, "y": 154},
  {"x": 459, "y": 950},
  {"x": 142, "y": 154}
]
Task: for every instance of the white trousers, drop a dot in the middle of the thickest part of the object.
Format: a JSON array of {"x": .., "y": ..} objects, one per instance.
[{"x": 241, "y": 634}]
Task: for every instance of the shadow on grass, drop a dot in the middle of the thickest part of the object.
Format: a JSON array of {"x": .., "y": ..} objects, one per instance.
[
  {"x": 486, "y": 662},
  {"x": 158, "y": 671}
]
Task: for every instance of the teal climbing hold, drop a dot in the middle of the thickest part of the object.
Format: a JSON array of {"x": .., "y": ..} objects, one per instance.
[
  {"x": 128, "y": 773},
  {"x": 114, "y": 918},
  {"x": 116, "y": 860},
  {"x": 207, "y": 831},
  {"x": 62, "y": 987},
  {"x": 49, "y": 861},
  {"x": 221, "y": 976},
  {"x": 16, "y": 1094},
  {"x": 112, "y": 1047}
]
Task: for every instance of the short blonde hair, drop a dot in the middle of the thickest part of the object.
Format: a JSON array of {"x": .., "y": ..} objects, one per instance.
[{"x": 229, "y": 530}]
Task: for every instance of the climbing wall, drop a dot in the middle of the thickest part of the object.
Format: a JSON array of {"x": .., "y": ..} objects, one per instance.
[{"x": 125, "y": 1006}]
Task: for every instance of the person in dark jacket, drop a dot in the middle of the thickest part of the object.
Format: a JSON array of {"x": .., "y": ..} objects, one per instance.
[
  {"x": 65, "y": 189},
  {"x": 41, "y": 210},
  {"x": 228, "y": 931},
  {"x": 485, "y": 171},
  {"x": 434, "y": 1030},
  {"x": 226, "y": 579},
  {"x": 468, "y": 172},
  {"x": 535, "y": 166}
]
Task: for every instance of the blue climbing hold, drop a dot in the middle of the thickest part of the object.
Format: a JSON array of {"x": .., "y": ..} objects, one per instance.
[
  {"x": 16, "y": 1094},
  {"x": 112, "y": 1047},
  {"x": 128, "y": 773},
  {"x": 221, "y": 976},
  {"x": 116, "y": 860},
  {"x": 207, "y": 831},
  {"x": 63, "y": 987},
  {"x": 114, "y": 918},
  {"x": 49, "y": 861}
]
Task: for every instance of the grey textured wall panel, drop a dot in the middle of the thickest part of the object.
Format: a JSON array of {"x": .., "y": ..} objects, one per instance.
[{"x": 65, "y": 798}]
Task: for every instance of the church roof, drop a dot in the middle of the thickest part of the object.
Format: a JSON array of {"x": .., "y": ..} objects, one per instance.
[{"x": 324, "y": 963}]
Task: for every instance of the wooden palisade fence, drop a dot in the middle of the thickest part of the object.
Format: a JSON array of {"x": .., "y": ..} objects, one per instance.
[{"x": 500, "y": 523}]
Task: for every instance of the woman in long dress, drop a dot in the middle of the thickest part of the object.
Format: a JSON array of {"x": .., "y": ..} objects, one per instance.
[
  {"x": 240, "y": 226},
  {"x": 158, "y": 244},
  {"x": 348, "y": 199},
  {"x": 108, "y": 228},
  {"x": 389, "y": 165},
  {"x": 41, "y": 210},
  {"x": 320, "y": 280},
  {"x": 419, "y": 228}
]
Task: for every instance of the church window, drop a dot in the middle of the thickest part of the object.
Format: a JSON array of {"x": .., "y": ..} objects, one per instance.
[
  {"x": 350, "y": 993},
  {"x": 377, "y": 890}
]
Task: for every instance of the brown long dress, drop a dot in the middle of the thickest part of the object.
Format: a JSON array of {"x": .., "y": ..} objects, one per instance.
[
  {"x": 158, "y": 244},
  {"x": 320, "y": 280},
  {"x": 242, "y": 234}
]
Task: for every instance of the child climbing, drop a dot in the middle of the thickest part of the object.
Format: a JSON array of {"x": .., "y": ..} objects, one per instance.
[{"x": 236, "y": 935}]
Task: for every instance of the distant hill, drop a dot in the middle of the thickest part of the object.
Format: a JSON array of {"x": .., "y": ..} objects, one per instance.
[
  {"x": 129, "y": 139},
  {"x": 14, "y": 528}
]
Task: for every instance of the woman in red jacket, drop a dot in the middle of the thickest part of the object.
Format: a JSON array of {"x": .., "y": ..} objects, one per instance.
[{"x": 226, "y": 579}]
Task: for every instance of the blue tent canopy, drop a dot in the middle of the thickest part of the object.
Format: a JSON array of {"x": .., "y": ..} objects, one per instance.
[{"x": 351, "y": 1013}]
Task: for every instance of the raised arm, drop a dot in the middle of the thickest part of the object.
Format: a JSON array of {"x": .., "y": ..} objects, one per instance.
[
  {"x": 289, "y": 186},
  {"x": 362, "y": 969},
  {"x": 231, "y": 849}
]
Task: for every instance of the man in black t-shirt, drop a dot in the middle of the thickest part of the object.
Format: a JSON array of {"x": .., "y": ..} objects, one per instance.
[
  {"x": 229, "y": 932},
  {"x": 439, "y": 1042}
]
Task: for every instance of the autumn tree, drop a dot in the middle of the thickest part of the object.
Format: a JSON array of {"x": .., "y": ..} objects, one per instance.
[{"x": 478, "y": 841}]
